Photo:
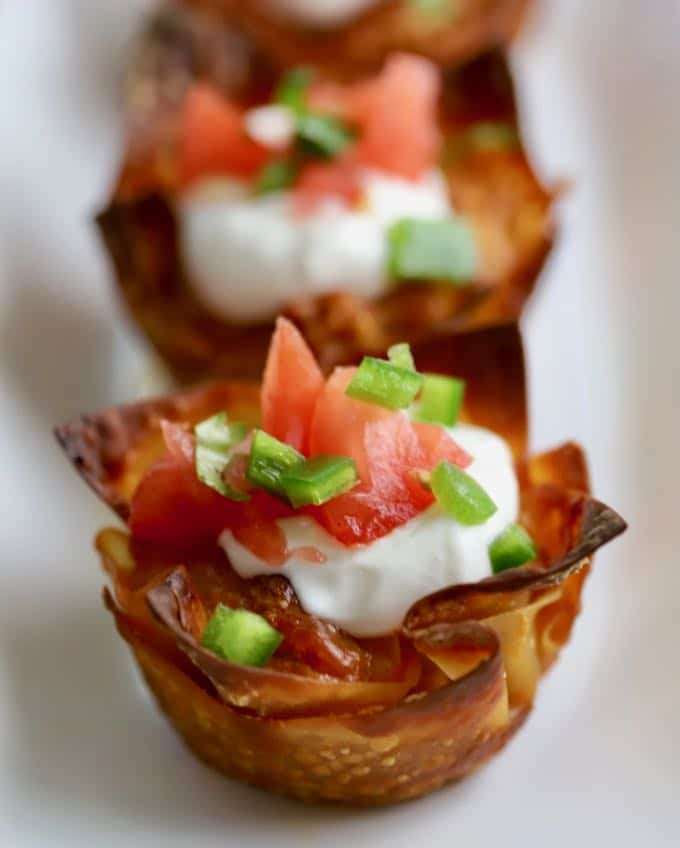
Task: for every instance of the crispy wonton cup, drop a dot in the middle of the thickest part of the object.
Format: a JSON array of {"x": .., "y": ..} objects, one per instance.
[
  {"x": 455, "y": 32},
  {"x": 494, "y": 187},
  {"x": 473, "y": 653}
]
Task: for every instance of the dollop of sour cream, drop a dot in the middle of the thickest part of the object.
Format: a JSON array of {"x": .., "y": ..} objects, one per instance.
[
  {"x": 247, "y": 256},
  {"x": 367, "y": 589},
  {"x": 320, "y": 13}
]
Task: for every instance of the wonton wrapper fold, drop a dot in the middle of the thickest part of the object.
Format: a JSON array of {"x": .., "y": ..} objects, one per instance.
[
  {"x": 496, "y": 190},
  {"x": 453, "y": 33},
  {"x": 483, "y": 646}
]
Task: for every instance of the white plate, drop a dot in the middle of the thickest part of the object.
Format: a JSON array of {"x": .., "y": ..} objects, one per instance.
[{"x": 85, "y": 759}]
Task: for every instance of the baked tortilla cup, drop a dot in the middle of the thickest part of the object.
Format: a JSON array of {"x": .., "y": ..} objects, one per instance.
[
  {"x": 494, "y": 189},
  {"x": 463, "y": 669},
  {"x": 454, "y": 33}
]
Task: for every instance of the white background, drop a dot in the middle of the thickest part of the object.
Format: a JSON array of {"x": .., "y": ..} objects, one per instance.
[{"x": 84, "y": 757}]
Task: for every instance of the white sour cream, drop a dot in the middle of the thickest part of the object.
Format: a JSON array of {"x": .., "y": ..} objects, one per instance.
[
  {"x": 367, "y": 589},
  {"x": 247, "y": 257},
  {"x": 320, "y": 13},
  {"x": 272, "y": 125}
]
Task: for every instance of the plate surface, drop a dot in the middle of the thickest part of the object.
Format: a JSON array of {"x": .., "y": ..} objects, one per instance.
[{"x": 84, "y": 756}]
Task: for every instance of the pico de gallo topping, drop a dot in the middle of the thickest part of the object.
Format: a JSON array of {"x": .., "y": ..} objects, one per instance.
[
  {"x": 317, "y": 140},
  {"x": 358, "y": 466}
]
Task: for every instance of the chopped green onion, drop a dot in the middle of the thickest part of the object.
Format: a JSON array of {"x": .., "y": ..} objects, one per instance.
[
  {"x": 441, "y": 249},
  {"x": 461, "y": 496},
  {"x": 322, "y": 135},
  {"x": 377, "y": 381},
  {"x": 401, "y": 356},
  {"x": 319, "y": 479},
  {"x": 440, "y": 400},
  {"x": 277, "y": 175},
  {"x": 215, "y": 437},
  {"x": 269, "y": 459},
  {"x": 292, "y": 89},
  {"x": 511, "y": 549},
  {"x": 240, "y": 636}
]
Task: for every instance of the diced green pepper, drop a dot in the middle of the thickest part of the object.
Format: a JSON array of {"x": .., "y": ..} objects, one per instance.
[
  {"x": 292, "y": 89},
  {"x": 322, "y": 135},
  {"x": 460, "y": 495},
  {"x": 401, "y": 356},
  {"x": 269, "y": 459},
  {"x": 276, "y": 175},
  {"x": 240, "y": 636},
  {"x": 319, "y": 479},
  {"x": 440, "y": 400},
  {"x": 512, "y": 548},
  {"x": 215, "y": 438},
  {"x": 442, "y": 250},
  {"x": 381, "y": 382}
]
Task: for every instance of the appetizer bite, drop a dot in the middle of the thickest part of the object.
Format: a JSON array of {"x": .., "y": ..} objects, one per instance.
[
  {"x": 347, "y": 33},
  {"x": 344, "y": 588},
  {"x": 370, "y": 211}
]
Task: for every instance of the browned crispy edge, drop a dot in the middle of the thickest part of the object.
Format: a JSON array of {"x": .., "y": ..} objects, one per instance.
[
  {"x": 374, "y": 757},
  {"x": 98, "y": 445},
  {"x": 392, "y": 25}
]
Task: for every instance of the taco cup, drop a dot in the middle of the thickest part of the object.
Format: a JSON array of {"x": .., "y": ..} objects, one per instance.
[
  {"x": 209, "y": 239},
  {"x": 437, "y": 623}
]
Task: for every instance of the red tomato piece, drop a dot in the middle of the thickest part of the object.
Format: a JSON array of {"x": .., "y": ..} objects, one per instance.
[
  {"x": 318, "y": 180},
  {"x": 386, "y": 447},
  {"x": 338, "y": 422},
  {"x": 172, "y": 506},
  {"x": 437, "y": 444},
  {"x": 291, "y": 385},
  {"x": 214, "y": 141},
  {"x": 255, "y": 527},
  {"x": 396, "y": 114}
]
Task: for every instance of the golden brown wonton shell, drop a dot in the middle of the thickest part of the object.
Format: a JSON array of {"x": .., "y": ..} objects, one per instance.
[
  {"x": 496, "y": 189},
  {"x": 460, "y": 30},
  {"x": 483, "y": 647}
]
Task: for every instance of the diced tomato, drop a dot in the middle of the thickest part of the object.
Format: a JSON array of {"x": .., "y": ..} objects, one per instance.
[
  {"x": 395, "y": 113},
  {"x": 437, "y": 444},
  {"x": 214, "y": 141},
  {"x": 255, "y": 527},
  {"x": 318, "y": 180},
  {"x": 172, "y": 506},
  {"x": 338, "y": 423},
  {"x": 386, "y": 448},
  {"x": 291, "y": 384}
]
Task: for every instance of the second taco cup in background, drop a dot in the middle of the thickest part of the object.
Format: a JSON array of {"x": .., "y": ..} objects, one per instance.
[{"x": 205, "y": 292}]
